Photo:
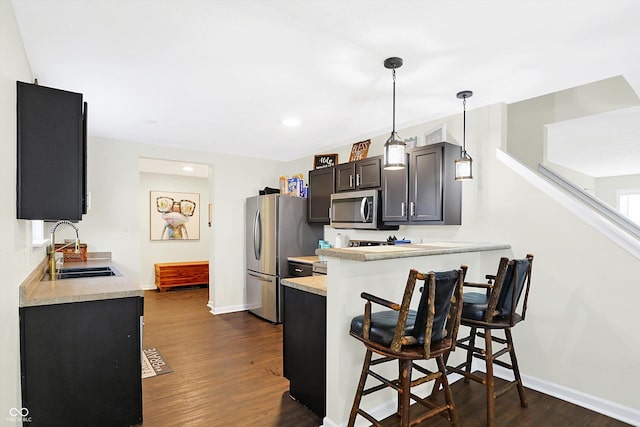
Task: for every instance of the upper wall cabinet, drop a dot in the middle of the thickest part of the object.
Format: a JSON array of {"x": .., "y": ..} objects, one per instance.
[
  {"x": 51, "y": 153},
  {"x": 358, "y": 175},
  {"x": 425, "y": 192},
  {"x": 321, "y": 186}
]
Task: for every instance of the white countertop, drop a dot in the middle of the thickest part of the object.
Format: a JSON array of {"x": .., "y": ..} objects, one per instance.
[{"x": 376, "y": 253}]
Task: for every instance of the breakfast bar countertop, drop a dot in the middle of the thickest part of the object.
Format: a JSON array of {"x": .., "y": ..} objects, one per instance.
[
  {"x": 37, "y": 290},
  {"x": 376, "y": 253}
]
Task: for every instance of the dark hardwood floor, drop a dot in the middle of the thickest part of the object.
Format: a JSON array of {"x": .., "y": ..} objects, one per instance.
[{"x": 227, "y": 371}]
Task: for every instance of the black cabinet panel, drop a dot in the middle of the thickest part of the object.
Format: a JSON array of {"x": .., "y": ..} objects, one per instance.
[
  {"x": 358, "y": 175},
  {"x": 51, "y": 153},
  {"x": 305, "y": 347},
  {"x": 425, "y": 192},
  {"x": 299, "y": 269},
  {"x": 321, "y": 186},
  {"x": 80, "y": 363},
  {"x": 426, "y": 185},
  {"x": 395, "y": 188}
]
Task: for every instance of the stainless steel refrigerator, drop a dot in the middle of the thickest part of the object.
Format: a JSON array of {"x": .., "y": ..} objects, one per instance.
[{"x": 276, "y": 228}]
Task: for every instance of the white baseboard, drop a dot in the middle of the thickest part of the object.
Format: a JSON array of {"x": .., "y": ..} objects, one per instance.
[
  {"x": 227, "y": 309},
  {"x": 150, "y": 287},
  {"x": 596, "y": 404}
]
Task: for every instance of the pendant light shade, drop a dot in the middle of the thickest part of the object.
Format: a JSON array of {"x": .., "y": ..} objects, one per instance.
[
  {"x": 464, "y": 163},
  {"x": 394, "y": 157}
]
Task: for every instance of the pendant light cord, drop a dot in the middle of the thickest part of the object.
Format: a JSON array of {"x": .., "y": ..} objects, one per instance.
[
  {"x": 393, "y": 130},
  {"x": 464, "y": 125}
]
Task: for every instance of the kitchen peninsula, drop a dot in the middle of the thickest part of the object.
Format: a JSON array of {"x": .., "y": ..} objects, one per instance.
[{"x": 382, "y": 271}]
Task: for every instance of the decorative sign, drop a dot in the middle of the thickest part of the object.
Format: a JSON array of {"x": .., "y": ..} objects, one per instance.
[
  {"x": 359, "y": 150},
  {"x": 324, "y": 161}
]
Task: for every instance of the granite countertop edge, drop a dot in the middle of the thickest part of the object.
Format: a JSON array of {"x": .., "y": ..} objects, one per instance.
[
  {"x": 361, "y": 254},
  {"x": 34, "y": 291},
  {"x": 312, "y": 284}
]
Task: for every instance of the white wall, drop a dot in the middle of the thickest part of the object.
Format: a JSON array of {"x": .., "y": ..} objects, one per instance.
[
  {"x": 526, "y": 133},
  {"x": 152, "y": 252},
  {"x": 114, "y": 221},
  {"x": 607, "y": 187},
  {"x": 17, "y": 258}
]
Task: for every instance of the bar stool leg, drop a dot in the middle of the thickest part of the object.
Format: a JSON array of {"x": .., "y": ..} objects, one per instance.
[
  {"x": 516, "y": 370},
  {"x": 472, "y": 344},
  {"x": 404, "y": 396},
  {"x": 360, "y": 389},
  {"x": 442, "y": 367},
  {"x": 491, "y": 397}
]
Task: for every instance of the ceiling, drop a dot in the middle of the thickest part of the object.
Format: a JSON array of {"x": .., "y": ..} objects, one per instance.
[{"x": 221, "y": 75}]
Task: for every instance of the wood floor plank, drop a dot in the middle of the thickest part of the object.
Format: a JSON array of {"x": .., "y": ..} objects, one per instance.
[
  {"x": 227, "y": 372},
  {"x": 227, "y": 369}
]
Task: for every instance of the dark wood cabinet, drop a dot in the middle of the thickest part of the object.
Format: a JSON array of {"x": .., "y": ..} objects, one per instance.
[
  {"x": 80, "y": 363},
  {"x": 359, "y": 175},
  {"x": 321, "y": 186},
  {"x": 305, "y": 347},
  {"x": 51, "y": 153},
  {"x": 425, "y": 192},
  {"x": 300, "y": 269},
  {"x": 395, "y": 192}
]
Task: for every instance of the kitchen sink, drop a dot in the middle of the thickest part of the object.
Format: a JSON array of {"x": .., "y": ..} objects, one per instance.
[{"x": 83, "y": 272}]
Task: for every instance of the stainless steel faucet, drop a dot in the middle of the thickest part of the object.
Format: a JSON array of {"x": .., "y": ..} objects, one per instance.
[{"x": 52, "y": 248}]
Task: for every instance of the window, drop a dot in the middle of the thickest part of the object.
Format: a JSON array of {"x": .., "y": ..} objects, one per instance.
[{"x": 629, "y": 204}]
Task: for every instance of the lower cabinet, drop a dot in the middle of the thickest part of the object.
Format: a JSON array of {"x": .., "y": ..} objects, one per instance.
[
  {"x": 80, "y": 363},
  {"x": 305, "y": 347}
]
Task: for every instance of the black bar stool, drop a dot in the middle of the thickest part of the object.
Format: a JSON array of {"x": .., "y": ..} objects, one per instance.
[
  {"x": 407, "y": 336},
  {"x": 496, "y": 309}
]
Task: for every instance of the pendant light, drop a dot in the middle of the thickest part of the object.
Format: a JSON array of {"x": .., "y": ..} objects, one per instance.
[
  {"x": 463, "y": 164},
  {"x": 394, "y": 147}
]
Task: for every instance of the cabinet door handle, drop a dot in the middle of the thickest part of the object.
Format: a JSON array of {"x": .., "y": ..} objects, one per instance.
[
  {"x": 357, "y": 180},
  {"x": 412, "y": 209},
  {"x": 298, "y": 270},
  {"x": 350, "y": 180},
  {"x": 403, "y": 209}
]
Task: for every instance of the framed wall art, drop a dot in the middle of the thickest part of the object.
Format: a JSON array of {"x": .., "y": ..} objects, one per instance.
[
  {"x": 436, "y": 135},
  {"x": 174, "y": 216}
]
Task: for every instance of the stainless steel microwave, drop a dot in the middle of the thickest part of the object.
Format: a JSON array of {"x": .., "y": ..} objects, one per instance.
[{"x": 358, "y": 210}]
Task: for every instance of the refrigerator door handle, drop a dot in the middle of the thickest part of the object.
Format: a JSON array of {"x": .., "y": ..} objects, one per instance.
[
  {"x": 257, "y": 235},
  {"x": 260, "y": 277}
]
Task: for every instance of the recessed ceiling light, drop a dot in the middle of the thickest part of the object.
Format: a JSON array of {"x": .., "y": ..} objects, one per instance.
[
  {"x": 291, "y": 122},
  {"x": 187, "y": 168}
]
